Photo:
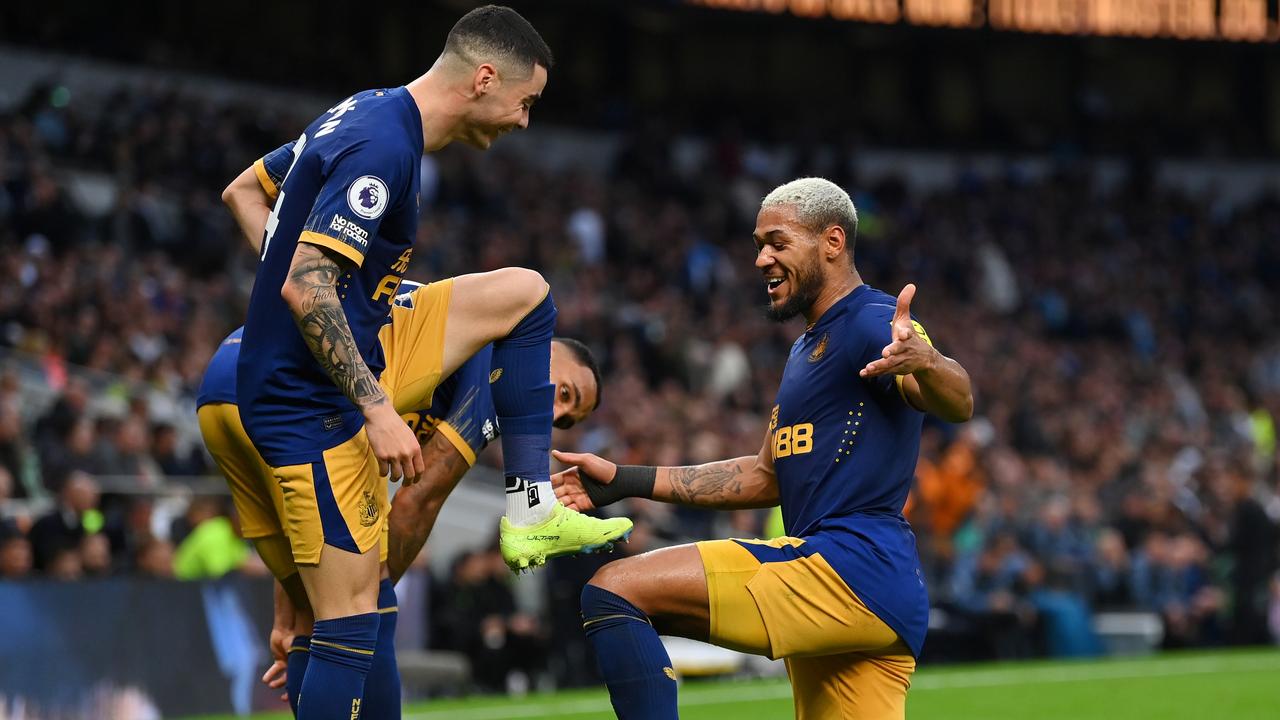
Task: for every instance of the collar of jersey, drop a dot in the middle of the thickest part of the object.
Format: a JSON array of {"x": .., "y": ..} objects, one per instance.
[
  {"x": 416, "y": 123},
  {"x": 837, "y": 309}
]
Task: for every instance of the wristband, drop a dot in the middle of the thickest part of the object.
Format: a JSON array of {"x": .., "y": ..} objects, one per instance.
[{"x": 629, "y": 481}]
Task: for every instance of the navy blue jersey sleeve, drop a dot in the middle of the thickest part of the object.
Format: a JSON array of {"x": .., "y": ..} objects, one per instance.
[
  {"x": 467, "y": 416},
  {"x": 272, "y": 167},
  {"x": 360, "y": 183}
]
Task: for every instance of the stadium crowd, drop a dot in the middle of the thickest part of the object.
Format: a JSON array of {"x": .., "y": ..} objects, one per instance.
[{"x": 1123, "y": 346}]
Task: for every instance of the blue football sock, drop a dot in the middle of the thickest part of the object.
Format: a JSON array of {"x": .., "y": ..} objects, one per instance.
[
  {"x": 382, "y": 684},
  {"x": 296, "y": 668},
  {"x": 631, "y": 658},
  {"x": 524, "y": 398},
  {"x": 341, "y": 653}
]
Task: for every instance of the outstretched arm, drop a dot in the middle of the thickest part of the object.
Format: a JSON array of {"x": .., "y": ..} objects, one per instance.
[
  {"x": 930, "y": 381},
  {"x": 745, "y": 482}
]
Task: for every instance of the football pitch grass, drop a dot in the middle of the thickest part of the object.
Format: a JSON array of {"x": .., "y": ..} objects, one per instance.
[{"x": 1229, "y": 685}]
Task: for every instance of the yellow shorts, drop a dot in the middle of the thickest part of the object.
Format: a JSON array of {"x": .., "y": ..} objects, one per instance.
[
  {"x": 339, "y": 500},
  {"x": 413, "y": 345},
  {"x": 258, "y": 498},
  {"x": 843, "y": 661},
  {"x": 256, "y": 495}
]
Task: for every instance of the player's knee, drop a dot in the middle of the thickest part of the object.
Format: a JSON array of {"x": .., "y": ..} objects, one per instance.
[
  {"x": 614, "y": 579},
  {"x": 525, "y": 287}
]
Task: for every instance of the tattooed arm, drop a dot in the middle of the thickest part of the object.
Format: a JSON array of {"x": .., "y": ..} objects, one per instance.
[
  {"x": 414, "y": 509},
  {"x": 311, "y": 292},
  {"x": 745, "y": 482}
]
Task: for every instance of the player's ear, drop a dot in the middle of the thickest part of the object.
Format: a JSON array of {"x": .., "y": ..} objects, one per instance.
[
  {"x": 485, "y": 79},
  {"x": 833, "y": 242}
]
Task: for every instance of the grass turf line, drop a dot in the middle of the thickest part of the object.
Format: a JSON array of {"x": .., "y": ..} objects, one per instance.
[{"x": 1239, "y": 685}]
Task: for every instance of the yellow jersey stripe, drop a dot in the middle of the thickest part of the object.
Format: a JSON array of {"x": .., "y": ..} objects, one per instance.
[
  {"x": 268, "y": 185},
  {"x": 326, "y": 643},
  {"x": 334, "y": 244},
  {"x": 300, "y": 649},
  {"x": 393, "y": 608},
  {"x": 454, "y": 437}
]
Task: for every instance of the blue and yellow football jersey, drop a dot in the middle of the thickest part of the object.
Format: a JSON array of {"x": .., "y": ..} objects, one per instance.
[
  {"x": 845, "y": 453},
  {"x": 350, "y": 186},
  {"x": 461, "y": 409}
]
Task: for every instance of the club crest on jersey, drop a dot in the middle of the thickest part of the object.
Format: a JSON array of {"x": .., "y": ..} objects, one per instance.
[
  {"x": 821, "y": 350},
  {"x": 367, "y": 509},
  {"x": 368, "y": 197},
  {"x": 493, "y": 376}
]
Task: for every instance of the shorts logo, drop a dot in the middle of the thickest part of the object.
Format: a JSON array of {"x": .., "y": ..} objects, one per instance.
[
  {"x": 368, "y": 509},
  {"x": 368, "y": 197},
  {"x": 488, "y": 431},
  {"x": 819, "y": 351},
  {"x": 669, "y": 672},
  {"x": 349, "y": 230},
  {"x": 493, "y": 376}
]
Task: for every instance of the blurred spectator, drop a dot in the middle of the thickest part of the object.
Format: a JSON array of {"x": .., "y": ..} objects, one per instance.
[
  {"x": 164, "y": 449},
  {"x": 1252, "y": 547},
  {"x": 63, "y": 528},
  {"x": 213, "y": 548},
  {"x": 15, "y": 557},
  {"x": 124, "y": 453},
  {"x": 1111, "y": 570},
  {"x": 65, "y": 564},
  {"x": 992, "y": 588},
  {"x": 95, "y": 555},
  {"x": 507, "y": 648},
  {"x": 155, "y": 558},
  {"x": 14, "y": 452}
]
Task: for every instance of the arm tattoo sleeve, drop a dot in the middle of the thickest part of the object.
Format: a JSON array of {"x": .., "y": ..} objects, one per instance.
[
  {"x": 324, "y": 327},
  {"x": 713, "y": 484}
]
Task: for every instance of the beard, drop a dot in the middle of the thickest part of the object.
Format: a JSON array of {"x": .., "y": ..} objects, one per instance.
[{"x": 806, "y": 284}]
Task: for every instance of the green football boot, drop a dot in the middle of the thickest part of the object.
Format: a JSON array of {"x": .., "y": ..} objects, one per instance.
[{"x": 564, "y": 532}]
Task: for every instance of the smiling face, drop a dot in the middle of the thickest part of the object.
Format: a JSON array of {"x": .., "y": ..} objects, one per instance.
[
  {"x": 789, "y": 257},
  {"x": 500, "y": 105},
  {"x": 576, "y": 390}
]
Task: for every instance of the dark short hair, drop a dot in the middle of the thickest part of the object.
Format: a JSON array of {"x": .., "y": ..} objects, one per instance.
[
  {"x": 585, "y": 357},
  {"x": 495, "y": 30}
]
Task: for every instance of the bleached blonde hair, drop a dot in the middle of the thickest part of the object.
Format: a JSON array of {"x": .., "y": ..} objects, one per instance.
[{"x": 819, "y": 204}]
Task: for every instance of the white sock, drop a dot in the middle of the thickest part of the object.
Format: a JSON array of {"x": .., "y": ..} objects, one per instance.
[{"x": 529, "y": 503}]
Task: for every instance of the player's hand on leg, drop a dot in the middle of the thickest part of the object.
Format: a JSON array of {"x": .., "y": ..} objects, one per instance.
[
  {"x": 394, "y": 444},
  {"x": 276, "y": 676},
  {"x": 585, "y": 468},
  {"x": 279, "y": 641}
]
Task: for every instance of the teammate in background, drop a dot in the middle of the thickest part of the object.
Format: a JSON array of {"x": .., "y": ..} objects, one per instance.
[
  {"x": 841, "y": 597},
  {"x": 459, "y": 423},
  {"x": 335, "y": 246}
]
